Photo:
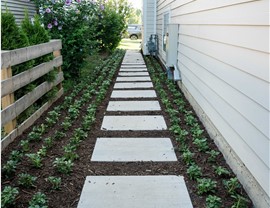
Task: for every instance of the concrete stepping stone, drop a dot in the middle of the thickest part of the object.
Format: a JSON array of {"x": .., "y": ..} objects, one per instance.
[
  {"x": 133, "y": 69},
  {"x": 133, "y": 94},
  {"x": 133, "y": 150},
  {"x": 134, "y": 192},
  {"x": 133, "y": 123},
  {"x": 133, "y": 106},
  {"x": 132, "y": 79},
  {"x": 127, "y": 74},
  {"x": 134, "y": 66},
  {"x": 126, "y": 85},
  {"x": 124, "y": 63}
]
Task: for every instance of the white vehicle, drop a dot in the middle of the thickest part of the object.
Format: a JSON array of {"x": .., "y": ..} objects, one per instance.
[{"x": 134, "y": 31}]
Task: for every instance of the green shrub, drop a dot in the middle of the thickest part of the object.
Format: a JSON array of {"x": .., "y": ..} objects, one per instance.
[{"x": 12, "y": 37}]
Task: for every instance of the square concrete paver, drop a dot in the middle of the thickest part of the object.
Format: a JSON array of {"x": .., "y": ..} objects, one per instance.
[
  {"x": 132, "y": 85},
  {"x": 135, "y": 65},
  {"x": 132, "y": 79},
  {"x": 133, "y": 149},
  {"x": 133, "y": 94},
  {"x": 130, "y": 69},
  {"x": 130, "y": 62},
  {"x": 127, "y": 74},
  {"x": 134, "y": 192},
  {"x": 135, "y": 123},
  {"x": 133, "y": 106}
]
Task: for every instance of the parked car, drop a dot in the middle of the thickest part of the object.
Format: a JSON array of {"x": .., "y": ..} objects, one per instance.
[{"x": 134, "y": 31}]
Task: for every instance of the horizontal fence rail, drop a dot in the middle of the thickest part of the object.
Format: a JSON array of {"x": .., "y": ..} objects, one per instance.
[{"x": 11, "y": 109}]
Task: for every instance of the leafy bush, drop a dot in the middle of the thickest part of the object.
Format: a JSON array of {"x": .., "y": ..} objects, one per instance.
[
  {"x": 84, "y": 27},
  {"x": 12, "y": 37}
]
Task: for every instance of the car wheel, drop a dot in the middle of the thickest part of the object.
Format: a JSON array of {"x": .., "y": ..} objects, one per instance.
[{"x": 133, "y": 37}]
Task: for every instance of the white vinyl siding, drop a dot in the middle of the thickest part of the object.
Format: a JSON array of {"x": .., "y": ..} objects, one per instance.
[
  {"x": 18, "y": 7},
  {"x": 223, "y": 56}
]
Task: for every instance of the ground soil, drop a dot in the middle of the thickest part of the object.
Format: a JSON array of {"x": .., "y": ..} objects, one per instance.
[{"x": 72, "y": 184}]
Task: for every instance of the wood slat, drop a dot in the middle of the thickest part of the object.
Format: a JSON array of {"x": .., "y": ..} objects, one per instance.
[
  {"x": 12, "y": 84},
  {"x": 23, "y": 103},
  {"x": 18, "y": 56},
  {"x": 28, "y": 122}
]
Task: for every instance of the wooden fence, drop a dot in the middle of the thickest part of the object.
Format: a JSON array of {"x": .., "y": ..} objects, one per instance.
[{"x": 9, "y": 84}]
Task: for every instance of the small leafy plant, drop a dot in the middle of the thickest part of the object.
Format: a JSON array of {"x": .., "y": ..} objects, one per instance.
[
  {"x": 16, "y": 155},
  {"x": 201, "y": 144},
  {"x": 194, "y": 171},
  {"x": 196, "y": 131},
  {"x": 48, "y": 142},
  {"x": 34, "y": 136},
  {"x": 10, "y": 168},
  {"x": 26, "y": 180},
  {"x": 42, "y": 151},
  {"x": 212, "y": 155},
  {"x": 35, "y": 159},
  {"x": 240, "y": 201},
  {"x": 73, "y": 112},
  {"x": 25, "y": 145},
  {"x": 206, "y": 185},
  {"x": 213, "y": 202},
  {"x": 39, "y": 200},
  {"x": 66, "y": 124},
  {"x": 62, "y": 165},
  {"x": 190, "y": 119},
  {"x": 59, "y": 135},
  {"x": 80, "y": 133},
  {"x": 188, "y": 157},
  {"x": 70, "y": 152},
  {"x": 55, "y": 182},
  {"x": 8, "y": 196},
  {"x": 221, "y": 171},
  {"x": 231, "y": 185}
]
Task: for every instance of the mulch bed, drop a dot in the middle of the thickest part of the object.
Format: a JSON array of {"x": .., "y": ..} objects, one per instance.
[{"x": 72, "y": 184}]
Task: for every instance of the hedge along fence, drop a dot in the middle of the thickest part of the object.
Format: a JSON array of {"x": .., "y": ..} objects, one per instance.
[{"x": 9, "y": 84}]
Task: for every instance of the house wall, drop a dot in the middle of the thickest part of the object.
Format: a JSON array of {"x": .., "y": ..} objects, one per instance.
[
  {"x": 149, "y": 19},
  {"x": 223, "y": 56},
  {"x": 18, "y": 7}
]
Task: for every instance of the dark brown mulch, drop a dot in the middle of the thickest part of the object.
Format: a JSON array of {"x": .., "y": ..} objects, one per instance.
[{"x": 72, "y": 184}]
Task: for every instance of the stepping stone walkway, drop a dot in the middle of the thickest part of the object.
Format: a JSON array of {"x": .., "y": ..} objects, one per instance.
[{"x": 157, "y": 191}]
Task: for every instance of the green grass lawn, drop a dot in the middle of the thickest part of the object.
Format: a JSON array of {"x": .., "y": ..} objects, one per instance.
[{"x": 130, "y": 44}]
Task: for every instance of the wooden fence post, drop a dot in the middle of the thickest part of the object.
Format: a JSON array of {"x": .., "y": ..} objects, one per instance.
[
  {"x": 8, "y": 100},
  {"x": 56, "y": 54}
]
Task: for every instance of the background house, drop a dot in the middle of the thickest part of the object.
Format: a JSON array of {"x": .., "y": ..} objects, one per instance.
[
  {"x": 18, "y": 7},
  {"x": 222, "y": 52}
]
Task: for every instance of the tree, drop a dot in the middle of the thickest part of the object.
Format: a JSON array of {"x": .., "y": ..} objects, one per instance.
[{"x": 135, "y": 16}]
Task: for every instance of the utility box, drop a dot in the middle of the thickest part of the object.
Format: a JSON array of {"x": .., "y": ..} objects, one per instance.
[{"x": 171, "y": 45}]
